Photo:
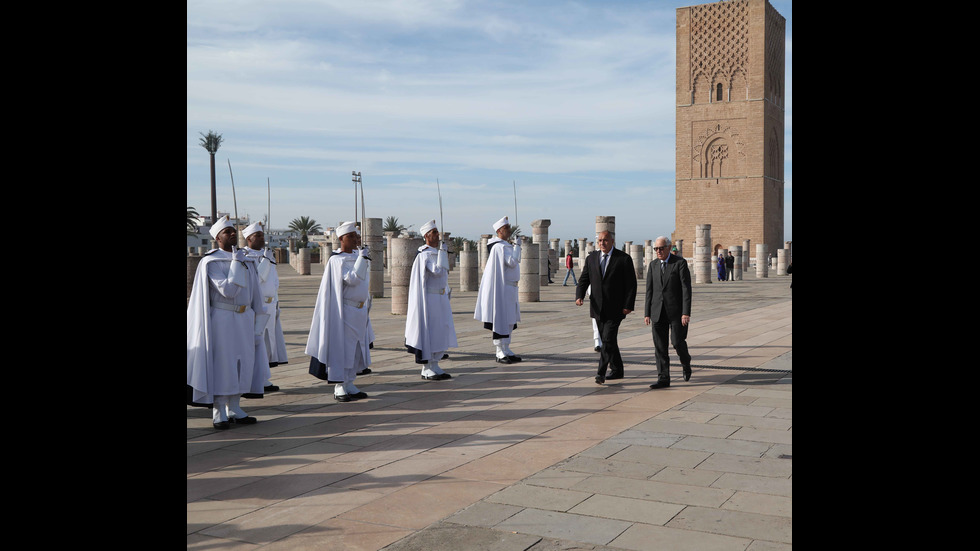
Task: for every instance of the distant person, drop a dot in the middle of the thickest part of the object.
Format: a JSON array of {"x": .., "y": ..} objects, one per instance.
[
  {"x": 226, "y": 355},
  {"x": 569, "y": 264},
  {"x": 730, "y": 267},
  {"x": 275, "y": 342},
  {"x": 721, "y": 266},
  {"x": 339, "y": 338},
  {"x": 789, "y": 270},
  {"x": 497, "y": 299},
  {"x": 668, "y": 307},
  {"x": 611, "y": 274},
  {"x": 429, "y": 329}
]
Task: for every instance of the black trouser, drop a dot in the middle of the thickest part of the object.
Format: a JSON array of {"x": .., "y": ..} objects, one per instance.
[
  {"x": 678, "y": 338},
  {"x": 609, "y": 354}
]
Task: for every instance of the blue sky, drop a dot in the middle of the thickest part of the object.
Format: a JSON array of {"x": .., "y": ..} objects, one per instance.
[{"x": 572, "y": 102}]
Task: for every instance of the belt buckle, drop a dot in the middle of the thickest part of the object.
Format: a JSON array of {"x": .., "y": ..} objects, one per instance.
[
  {"x": 268, "y": 299},
  {"x": 240, "y": 309}
]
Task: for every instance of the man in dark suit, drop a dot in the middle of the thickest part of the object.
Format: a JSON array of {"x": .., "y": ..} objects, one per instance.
[
  {"x": 668, "y": 306},
  {"x": 613, "y": 279}
]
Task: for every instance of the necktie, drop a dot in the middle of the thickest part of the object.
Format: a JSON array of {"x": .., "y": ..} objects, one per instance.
[{"x": 602, "y": 265}]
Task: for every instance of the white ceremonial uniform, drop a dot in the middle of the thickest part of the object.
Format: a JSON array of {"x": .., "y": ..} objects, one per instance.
[
  {"x": 224, "y": 349},
  {"x": 339, "y": 335},
  {"x": 496, "y": 301},
  {"x": 429, "y": 329},
  {"x": 275, "y": 342}
]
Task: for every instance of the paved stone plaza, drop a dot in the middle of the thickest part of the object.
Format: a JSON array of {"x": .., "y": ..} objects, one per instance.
[{"x": 533, "y": 455}]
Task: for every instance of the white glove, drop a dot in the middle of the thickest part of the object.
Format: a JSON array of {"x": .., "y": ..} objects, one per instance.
[
  {"x": 517, "y": 252},
  {"x": 365, "y": 252},
  {"x": 442, "y": 260},
  {"x": 238, "y": 273}
]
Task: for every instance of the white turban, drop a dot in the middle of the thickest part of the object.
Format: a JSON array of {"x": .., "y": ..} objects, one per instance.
[
  {"x": 427, "y": 227},
  {"x": 500, "y": 223},
  {"x": 346, "y": 228},
  {"x": 221, "y": 224},
  {"x": 253, "y": 228}
]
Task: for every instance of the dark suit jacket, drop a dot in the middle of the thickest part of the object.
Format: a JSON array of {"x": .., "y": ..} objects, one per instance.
[
  {"x": 674, "y": 292},
  {"x": 610, "y": 294}
]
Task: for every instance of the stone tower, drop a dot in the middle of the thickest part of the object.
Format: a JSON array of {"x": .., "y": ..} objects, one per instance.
[{"x": 730, "y": 132}]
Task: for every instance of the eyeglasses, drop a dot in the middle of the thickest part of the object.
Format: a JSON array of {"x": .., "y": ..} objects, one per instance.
[{"x": 660, "y": 248}]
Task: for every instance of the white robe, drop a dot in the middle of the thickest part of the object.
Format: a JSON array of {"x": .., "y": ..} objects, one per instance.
[
  {"x": 275, "y": 342},
  {"x": 225, "y": 357},
  {"x": 339, "y": 335},
  {"x": 496, "y": 302},
  {"x": 429, "y": 324}
]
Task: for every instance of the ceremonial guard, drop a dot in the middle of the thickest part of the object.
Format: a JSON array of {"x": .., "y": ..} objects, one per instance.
[
  {"x": 275, "y": 342},
  {"x": 226, "y": 318},
  {"x": 339, "y": 340},
  {"x": 496, "y": 302},
  {"x": 429, "y": 329}
]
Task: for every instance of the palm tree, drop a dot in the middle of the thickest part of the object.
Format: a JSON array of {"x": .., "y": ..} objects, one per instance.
[
  {"x": 391, "y": 224},
  {"x": 305, "y": 225},
  {"x": 212, "y": 142},
  {"x": 192, "y": 221}
]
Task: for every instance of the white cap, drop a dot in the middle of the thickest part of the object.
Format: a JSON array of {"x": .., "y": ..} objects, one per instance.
[
  {"x": 221, "y": 224},
  {"x": 346, "y": 228},
  {"x": 500, "y": 223},
  {"x": 252, "y": 228},
  {"x": 431, "y": 224}
]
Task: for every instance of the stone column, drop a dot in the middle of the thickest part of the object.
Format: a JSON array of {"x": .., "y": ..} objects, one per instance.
[
  {"x": 737, "y": 271},
  {"x": 648, "y": 250},
  {"x": 781, "y": 256},
  {"x": 193, "y": 261},
  {"x": 389, "y": 235},
  {"x": 582, "y": 253},
  {"x": 372, "y": 239},
  {"x": 788, "y": 245},
  {"x": 403, "y": 253},
  {"x": 636, "y": 251},
  {"x": 482, "y": 252},
  {"x": 702, "y": 253},
  {"x": 761, "y": 263},
  {"x": 303, "y": 261},
  {"x": 529, "y": 286},
  {"x": 605, "y": 223},
  {"x": 745, "y": 255},
  {"x": 539, "y": 232},
  {"x": 450, "y": 249},
  {"x": 469, "y": 276},
  {"x": 553, "y": 254},
  {"x": 680, "y": 247}
]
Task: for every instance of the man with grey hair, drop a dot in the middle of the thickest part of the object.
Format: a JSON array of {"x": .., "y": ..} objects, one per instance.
[
  {"x": 611, "y": 274},
  {"x": 668, "y": 307}
]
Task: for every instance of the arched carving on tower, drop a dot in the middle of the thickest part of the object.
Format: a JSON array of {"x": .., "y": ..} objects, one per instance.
[
  {"x": 702, "y": 89},
  {"x": 740, "y": 86},
  {"x": 718, "y": 153}
]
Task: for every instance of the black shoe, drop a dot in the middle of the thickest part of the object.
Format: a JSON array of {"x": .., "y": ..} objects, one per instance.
[
  {"x": 598, "y": 348},
  {"x": 504, "y": 360},
  {"x": 687, "y": 373},
  {"x": 342, "y": 397},
  {"x": 364, "y": 371},
  {"x": 271, "y": 388},
  {"x": 613, "y": 376},
  {"x": 445, "y": 356},
  {"x": 358, "y": 395},
  {"x": 221, "y": 425},
  {"x": 439, "y": 377},
  {"x": 599, "y": 379},
  {"x": 247, "y": 420},
  {"x": 514, "y": 359},
  {"x": 660, "y": 384}
]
